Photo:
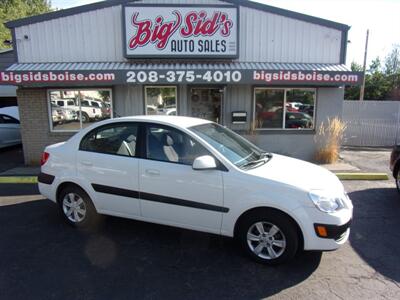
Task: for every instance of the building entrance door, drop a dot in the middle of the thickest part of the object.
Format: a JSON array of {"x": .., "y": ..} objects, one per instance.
[{"x": 206, "y": 103}]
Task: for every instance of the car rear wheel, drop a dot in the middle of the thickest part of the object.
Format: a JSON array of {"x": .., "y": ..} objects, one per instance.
[
  {"x": 268, "y": 237},
  {"x": 85, "y": 118},
  {"x": 77, "y": 207}
]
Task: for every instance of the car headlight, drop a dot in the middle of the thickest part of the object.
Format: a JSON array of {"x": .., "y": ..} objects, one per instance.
[{"x": 326, "y": 202}]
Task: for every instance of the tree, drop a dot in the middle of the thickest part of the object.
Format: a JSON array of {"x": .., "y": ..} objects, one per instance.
[
  {"x": 377, "y": 84},
  {"x": 392, "y": 61},
  {"x": 16, "y": 9},
  {"x": 392, "y": 70},
  {"x": 353, "y": 92}
]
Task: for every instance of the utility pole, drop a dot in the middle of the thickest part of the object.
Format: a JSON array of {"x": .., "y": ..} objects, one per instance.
[{"x": 365, "y": 67}]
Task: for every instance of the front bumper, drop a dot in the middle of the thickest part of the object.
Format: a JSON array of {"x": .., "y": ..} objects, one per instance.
[
  {"x": 327, "y": 231},
  {"x": 337, "y": 226}
]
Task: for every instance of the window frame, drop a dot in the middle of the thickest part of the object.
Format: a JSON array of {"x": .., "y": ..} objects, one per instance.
[
  {"x": 285, "y": 89},
  {"x": 16, "y": 121},
  {"x": 49, "y": 107},
  {"x": 161, "y": 86},
  {"x": 139, "y": 147}
]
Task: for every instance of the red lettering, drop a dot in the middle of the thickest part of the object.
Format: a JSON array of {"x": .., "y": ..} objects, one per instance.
[
  {"x": 158, "y": 33},
  {"x": 190, "y": 19}
]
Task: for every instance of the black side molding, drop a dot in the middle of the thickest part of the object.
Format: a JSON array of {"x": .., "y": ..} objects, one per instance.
[
  {"x": 115, "y": 191},
  {"x": 45, "y": 178},
  {"x": 180, "y": 202},
  {"x": 157, "y": 198}
]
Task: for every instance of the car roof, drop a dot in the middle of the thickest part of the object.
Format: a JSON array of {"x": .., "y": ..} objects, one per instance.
[
  {"x": 10, "y": 111},
  {"x": 178, "y": 121}
]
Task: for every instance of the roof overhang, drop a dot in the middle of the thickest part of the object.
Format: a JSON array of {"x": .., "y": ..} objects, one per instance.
[{"x": 108, "y": 74}]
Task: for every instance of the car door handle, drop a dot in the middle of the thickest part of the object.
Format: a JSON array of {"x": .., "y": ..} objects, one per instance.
[
  {"x": 86, "y": 164},
  {"x": 153, "y": 172}
]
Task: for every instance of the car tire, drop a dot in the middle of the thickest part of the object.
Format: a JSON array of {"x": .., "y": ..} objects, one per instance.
[
  {"x": 270, "y": 234},
  {"x": 77, "y": 208},
  {"x": 85, "y": 118}
]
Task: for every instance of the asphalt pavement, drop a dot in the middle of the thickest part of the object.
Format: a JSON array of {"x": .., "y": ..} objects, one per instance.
[
  {"x": 11, "y": 157},
  {"x": 41, "y": 257}
]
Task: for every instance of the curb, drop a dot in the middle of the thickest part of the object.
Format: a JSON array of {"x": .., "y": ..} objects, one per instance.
[
  {"x": 362, "y": 176},
  {"x": 18, "y": 179},
  {"x": 341, "y": 176}
]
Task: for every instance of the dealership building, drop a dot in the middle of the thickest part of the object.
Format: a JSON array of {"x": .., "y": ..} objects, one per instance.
[{"x": 270, "y": 74}]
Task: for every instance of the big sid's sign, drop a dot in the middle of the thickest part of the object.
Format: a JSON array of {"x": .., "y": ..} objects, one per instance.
[{"x": 165, "y": 31}]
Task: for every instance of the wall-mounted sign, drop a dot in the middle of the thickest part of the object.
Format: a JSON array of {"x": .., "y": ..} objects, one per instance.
[
  {"x": 239, "y": 117},
  {"x": 179, "y": 76},
  {"x": 186, "y": 31}
]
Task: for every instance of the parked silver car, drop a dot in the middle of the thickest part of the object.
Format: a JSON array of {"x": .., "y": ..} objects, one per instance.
[{"x": 10, "y": 132}]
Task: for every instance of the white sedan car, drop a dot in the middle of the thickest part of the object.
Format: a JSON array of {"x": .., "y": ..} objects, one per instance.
[
  {"x": 10, "y": 131},
  {"x": 198, "y": 175}
]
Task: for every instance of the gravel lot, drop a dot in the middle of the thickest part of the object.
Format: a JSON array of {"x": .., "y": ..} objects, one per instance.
[{"x": 41, "y": 257}]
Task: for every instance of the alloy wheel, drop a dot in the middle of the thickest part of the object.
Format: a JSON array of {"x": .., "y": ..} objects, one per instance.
[
  {"x": 74, "y": 207},
  {"x": 266, "y": 240}
]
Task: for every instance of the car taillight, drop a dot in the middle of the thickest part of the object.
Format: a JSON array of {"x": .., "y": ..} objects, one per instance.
[{"x": 45, "y": 158}]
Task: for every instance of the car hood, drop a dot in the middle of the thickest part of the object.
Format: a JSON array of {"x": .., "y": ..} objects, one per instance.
[{"x": 297, "y": 173}]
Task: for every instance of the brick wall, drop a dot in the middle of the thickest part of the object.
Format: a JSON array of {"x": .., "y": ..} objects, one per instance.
[{"x": 35, "y": 127}]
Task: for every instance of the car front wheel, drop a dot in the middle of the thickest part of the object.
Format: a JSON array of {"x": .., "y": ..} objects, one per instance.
[
  {"x": 77, "y": 207},
  {"x": 268, "y": 237}
]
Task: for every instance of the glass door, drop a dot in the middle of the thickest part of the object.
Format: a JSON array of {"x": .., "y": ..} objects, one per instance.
[{"x": 206, "y": 103}]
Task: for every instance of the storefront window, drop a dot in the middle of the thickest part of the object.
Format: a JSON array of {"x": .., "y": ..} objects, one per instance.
[
  {"x": 161, "y": 100},
  {"x": 284, "y": 108},
  {"x": 72, "y": 110}
]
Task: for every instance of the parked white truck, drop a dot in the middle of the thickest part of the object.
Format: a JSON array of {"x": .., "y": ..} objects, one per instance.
[{"x": 90, "y": 112}]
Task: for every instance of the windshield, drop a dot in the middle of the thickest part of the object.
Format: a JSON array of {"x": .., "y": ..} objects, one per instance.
[{"x": 232, "y": 146}]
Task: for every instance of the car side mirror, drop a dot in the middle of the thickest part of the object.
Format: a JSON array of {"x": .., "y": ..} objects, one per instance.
[{"x": 205, "y": 162}]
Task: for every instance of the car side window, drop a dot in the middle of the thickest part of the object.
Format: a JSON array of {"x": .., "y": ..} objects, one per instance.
[
  {"x": 8, "y": 120},
  {"x": 116, "y": 139},
  {"x": 171, "y": 145}
]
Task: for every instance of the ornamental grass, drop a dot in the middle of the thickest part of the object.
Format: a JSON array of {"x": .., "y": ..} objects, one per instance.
[{"x": 328, "y": 140}]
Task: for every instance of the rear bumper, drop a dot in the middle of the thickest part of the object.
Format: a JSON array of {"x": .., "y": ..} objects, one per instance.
[
  {"x": 46, "y": 178},
  {"x": 46, "y": 186}
]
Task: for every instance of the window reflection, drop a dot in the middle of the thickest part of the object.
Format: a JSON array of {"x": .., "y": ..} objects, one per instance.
[
  {"x": 297, "y": 105},
  {"x": 161, "y": 101},
  {"x": 299, "y": 108},
  {"x": 72, "y": 110},
  {"x": 269, "y": 108}
]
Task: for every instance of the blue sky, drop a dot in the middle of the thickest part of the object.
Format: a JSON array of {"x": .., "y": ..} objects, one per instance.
[{"x": 380, "y": 16}]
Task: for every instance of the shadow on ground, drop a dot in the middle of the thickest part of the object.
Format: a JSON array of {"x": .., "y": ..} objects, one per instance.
[
  {"x": 375, "y": 232},
  {"x": 11, "y": 157},
  {"x": 42, "y": 257}
]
